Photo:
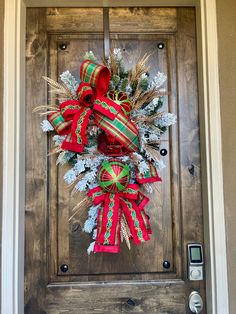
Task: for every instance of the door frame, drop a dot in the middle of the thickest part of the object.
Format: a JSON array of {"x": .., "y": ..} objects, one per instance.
[{"x": 12, "y": 280}]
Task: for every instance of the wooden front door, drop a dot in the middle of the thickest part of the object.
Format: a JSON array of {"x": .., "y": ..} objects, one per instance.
[{"x": 151, "y": 278}]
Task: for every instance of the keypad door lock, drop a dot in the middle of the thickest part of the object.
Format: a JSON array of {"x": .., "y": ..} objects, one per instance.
[
  {"x": 195, "y": 302},
  {"x": 195, "y": 261}
]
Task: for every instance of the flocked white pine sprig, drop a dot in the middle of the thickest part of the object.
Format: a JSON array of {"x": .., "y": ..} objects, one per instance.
[
  {"x": 118, "y": 55},
  {"x": 151, "y": 106},
  {"x": 46, "y": 126},
  {"x": 148, "y": 134},
  {"x": 58, "y": 139},
  {"x": 142, "y": 163},
  {"x": 159, "y": 164},
  {"x": 69, "y": 80},
  {"x": 91, "y": 245},
  {"x": 70, "y": 176},
  {"x": 90, "y": 223},
  {"x": 167, "y": 119},
  {"x": 90, "y": 149},
  {"x": 124, "y": 158},
  {"x": 79, "y": 167},
  {"x": 143, "y": 167},
  {"x": 64, "y": 157},
  {"x": 89, "y": 55},
  {"x": 128, "y": 90},
  {"x": 89, "y": 178},
  {"x": 89, "y": 167},
  {"x": 95, "y": 162},
  {"x": 158, "y": 80},
  {"x": 92, "y": 185},
  {"x": 90, "y": 249},
  {"x": 95, "y": 231}
]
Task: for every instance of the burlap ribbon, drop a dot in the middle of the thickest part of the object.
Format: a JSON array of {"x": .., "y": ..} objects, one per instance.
[{"x": 72, "y": 118}]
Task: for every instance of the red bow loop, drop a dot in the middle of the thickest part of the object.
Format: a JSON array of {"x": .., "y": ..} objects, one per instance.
[
  {"x": 85, "y": 94},
  {"x": 69, "y": 108},
  {"x": 96, "y": 75}
]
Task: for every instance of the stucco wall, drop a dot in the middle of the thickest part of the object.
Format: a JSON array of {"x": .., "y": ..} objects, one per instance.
[
  {"x": 226, "y": 16},
  {"x": 226, "y": 12}
]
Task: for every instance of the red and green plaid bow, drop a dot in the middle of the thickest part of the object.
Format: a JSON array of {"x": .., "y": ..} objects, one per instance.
[
  {"x": 72, "y": 118},
  {"x": 129, "y": 202}
]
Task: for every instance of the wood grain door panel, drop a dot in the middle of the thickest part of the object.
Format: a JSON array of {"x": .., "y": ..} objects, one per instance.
[
  {"x": 72, "y": 242},
  {"x": 103, "y": 283}
]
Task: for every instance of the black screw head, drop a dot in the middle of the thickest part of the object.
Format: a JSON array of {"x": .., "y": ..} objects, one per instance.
[
  {"x": 63, "y": 46},
  {"x": 64, "y": 268},
  {"x": 163, "y": 152},
  {"x": 166, "y": 264},
  {"x": 131, "y": 302},
  {"x": 160, "y": 45}
]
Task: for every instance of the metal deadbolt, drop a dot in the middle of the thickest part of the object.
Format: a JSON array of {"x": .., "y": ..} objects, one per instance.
[{"x": 195, "y": 302}]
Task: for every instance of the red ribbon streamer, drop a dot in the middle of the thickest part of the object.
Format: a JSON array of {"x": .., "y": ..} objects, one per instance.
[{"x": 129, "y": 202}]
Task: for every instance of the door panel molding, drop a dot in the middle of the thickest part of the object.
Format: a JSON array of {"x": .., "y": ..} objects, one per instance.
[{"x": 12, "y": 280}]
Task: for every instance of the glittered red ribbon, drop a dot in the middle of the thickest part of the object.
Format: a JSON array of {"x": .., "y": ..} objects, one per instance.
[{"x": 129, "y": 202}]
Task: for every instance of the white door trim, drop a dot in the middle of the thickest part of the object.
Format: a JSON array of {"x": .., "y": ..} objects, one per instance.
[{"x": 12, "y": 280}]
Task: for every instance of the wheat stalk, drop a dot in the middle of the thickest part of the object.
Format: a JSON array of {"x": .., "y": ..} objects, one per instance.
[
  {"x": 125, "y": 231},
  {"x": 137, "y": 94},
  {"x": 81, "y": 206},
  {"x": 145, "y": 98},
  {"x": 114, "y": 68},
  {"x": 147, "y": 187},
  {"x": 80, "y": 176},
  {"x": 151, "y": 152},
  {"x": 134, "y": 159},
  {"x": 41, "y": 107},
  {"x": 59, "y": 89},
  {"x": 55, "y": 150},
  {"x": 148, "y": 119},
  {"x": 139, "y": 69}
]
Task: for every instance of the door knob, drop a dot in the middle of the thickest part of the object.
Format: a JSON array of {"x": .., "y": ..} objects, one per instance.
[{"x": 195, "y": 302}]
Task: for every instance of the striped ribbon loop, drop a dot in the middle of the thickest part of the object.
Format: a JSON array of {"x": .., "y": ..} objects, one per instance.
[{"x": 121, "y": 128}]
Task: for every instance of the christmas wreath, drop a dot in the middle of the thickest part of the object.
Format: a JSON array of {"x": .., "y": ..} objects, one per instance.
[{"x": 108, "y": 129}]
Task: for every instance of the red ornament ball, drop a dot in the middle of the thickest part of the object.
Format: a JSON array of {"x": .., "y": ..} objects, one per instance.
[
  {"x": 113, "y": 175},
  {"x": 121, "y": 99}
]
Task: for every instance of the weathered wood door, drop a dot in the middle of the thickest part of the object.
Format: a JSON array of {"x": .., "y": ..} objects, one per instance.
[{"x": 133, "y": 281}]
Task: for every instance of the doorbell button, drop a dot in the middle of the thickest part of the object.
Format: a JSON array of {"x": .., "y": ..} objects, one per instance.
[{"x": 195, "y": 274}]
